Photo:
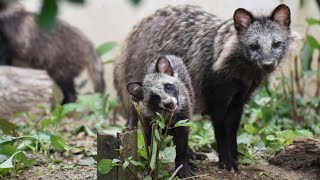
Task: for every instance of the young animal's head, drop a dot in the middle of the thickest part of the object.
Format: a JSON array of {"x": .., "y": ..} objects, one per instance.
[
  {"x": 159, "y": 90},
  {"x": 264, "y": 40}
]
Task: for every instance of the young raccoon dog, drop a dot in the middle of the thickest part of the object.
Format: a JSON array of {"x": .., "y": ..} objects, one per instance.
[
  {"x": 167, "y": 88},
  {"x": 227, "y": 60},
  {"x": 63, "y": 52}
]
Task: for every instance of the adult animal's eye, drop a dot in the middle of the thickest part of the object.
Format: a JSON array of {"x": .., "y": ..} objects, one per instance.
[
  {"x": 169, "y": 87},
  {"x": 276, "y": 44},
  {"x": 254, "y": 47}
]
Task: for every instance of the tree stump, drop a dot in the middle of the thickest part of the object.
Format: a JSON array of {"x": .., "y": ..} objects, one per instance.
[
  {"x": 121, "y": 147},
  {"x": 22, "y": 89},
  {"x": 302, "y": 153}
]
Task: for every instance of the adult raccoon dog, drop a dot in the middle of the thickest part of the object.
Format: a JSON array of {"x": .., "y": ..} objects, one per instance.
[
  {"x": 166, "y": 88},
  {"x": 226, "y": 59},
  {"x": 63, "y": 53}
]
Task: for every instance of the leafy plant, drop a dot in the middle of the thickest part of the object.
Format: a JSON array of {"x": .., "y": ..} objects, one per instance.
[{"x": 155, "y": 158}]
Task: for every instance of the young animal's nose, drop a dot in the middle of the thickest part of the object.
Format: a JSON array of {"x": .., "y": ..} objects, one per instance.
[
  {"x": 168, "y": 105},
  {"x": 268, "y": 66}
]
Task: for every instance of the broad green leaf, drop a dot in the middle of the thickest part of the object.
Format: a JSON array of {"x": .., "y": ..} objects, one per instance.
[
  {"x": 48, "y": 13},
  {"x": 312, "y": 41},
  {"x": 4, "y": 139},
  {"x": 8, "y": 149},
  {"x": 184, "y": 123},
  {"x": 9, "y": 162},
  {"x": 58, "y": 142},
  {"x": 105, "y": 166},
  {"x": 125, "y": 164},
  {"x": 271, "y": 137},
  {"x": 168, "y": 154},
  {"x": 3, "y": 158},
  {"x": 7, "y": 127},
  {"x": 105, "y": 48},
  {"x": 147, "y": 178}
]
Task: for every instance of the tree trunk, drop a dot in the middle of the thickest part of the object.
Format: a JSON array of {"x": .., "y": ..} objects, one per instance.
[{"x": 22, "y": 89}]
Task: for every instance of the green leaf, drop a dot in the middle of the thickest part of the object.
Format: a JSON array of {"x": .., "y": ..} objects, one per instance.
[
  {"x": 161, "y": 117},
  {"x": 58, "y": 142},
  {"x": 147, "y": 178},
  {"x": 115, "y": 161},
  {"x": 313, "y": 21},
  {"x": 105, "y": 166},
  {"x": 9, "y": 162},
  {"x": 184, "y": 123},
  {"x": 125, "y": 164},
  {"x": 306, "y": 56},
  {"x": 4, "y": 139},
  {"x": 271, "y": 137},
  {"x": 157, "y": 134},
  {"x": 154, "y": 152},
  {"x": 105, "y": 48},
  {"x": 48, "y": 13},
  {"x": 83, "y": 128},
  {"x": 168, "y": 154},
  {"x": 7, "y": 127},
  {"x": 137, "y": 163},
  {"x": 312, "y": 41}
]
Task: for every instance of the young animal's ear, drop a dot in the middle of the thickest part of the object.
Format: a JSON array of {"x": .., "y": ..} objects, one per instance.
[
  {"x": 163, "y": 66},
  {"x": 135, "y": 89},
  {"x": 242, "y": 19},
  {"x": 281, "y": 15}
]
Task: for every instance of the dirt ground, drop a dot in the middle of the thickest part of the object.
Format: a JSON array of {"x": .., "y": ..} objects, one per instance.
[{"x": 79, "y": 164}]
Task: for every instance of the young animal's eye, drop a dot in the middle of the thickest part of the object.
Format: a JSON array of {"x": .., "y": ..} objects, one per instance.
[
  {"x": 169, "y": 87},
  {"x": 154, "y": 98},
  {"x": 254, "y": 47},
  {"x": 276, "y": 44}
]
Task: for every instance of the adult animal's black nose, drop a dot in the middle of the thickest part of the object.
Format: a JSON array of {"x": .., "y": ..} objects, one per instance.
[{"x": 268, "y": 66}]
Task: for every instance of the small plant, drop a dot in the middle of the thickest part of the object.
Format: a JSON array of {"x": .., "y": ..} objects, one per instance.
[{"x": 154, "y": 158}]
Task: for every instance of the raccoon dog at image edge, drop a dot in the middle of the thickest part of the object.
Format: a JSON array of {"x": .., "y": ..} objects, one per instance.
[
  {"x": 167, "y": 88},
  {"x": 63, "y": 52},
  {"x": 226, "y": 59}
]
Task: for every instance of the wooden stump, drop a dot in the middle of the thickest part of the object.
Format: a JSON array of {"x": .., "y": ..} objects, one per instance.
[
  {"x": 302, "y": 153},
  {"x": 120, "y": 147},
  {"x": 22, "y": 89}
]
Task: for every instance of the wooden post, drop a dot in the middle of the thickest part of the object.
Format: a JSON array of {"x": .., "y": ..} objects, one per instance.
[{"x": 109, "y": 147}]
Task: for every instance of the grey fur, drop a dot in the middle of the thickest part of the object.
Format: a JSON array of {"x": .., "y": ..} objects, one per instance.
[
  {"x": 205, "y": 42},
  {"x": 63, "y": 52}
]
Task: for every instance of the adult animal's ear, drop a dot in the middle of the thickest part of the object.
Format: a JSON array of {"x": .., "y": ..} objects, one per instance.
[
  {"x": 135, "y": 89},
  {"x": 242, "y": 19},
  {"x": 281, "y": 15},
  {"x": 163, "y": 66}
]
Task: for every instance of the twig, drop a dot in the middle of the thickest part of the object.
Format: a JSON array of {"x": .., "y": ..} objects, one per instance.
[{"x": 175, "y": 172}]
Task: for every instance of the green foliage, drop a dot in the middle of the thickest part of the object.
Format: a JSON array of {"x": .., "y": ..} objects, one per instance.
[
  {"x": 105, "y": 48},
  {"x": 154, "y": 159}
]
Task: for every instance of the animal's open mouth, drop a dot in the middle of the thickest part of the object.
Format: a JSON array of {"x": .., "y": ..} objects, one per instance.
[{"x": 173, "y": 109}]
